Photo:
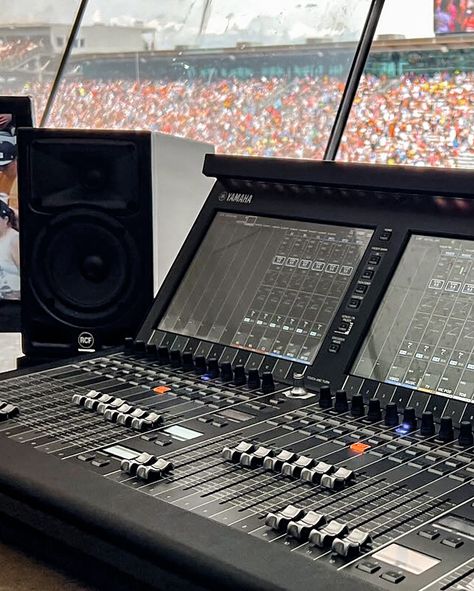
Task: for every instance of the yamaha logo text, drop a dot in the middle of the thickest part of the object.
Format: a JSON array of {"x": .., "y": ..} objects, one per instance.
[{"x": 236, "y": 197}]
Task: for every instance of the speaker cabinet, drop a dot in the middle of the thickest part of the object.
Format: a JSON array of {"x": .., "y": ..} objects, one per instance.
[{"x": 89, "y": 204}]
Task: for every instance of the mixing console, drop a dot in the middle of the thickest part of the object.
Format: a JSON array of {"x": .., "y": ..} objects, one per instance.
[{"x": 297, "y": 409}]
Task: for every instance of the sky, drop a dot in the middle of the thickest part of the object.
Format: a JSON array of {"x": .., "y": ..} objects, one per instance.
[{"x": 282, "y": 20}]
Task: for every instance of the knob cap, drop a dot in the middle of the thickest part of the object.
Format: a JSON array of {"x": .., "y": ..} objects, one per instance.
[
  {"x": 227, "y": 375},
  {"x": 391, "y": 415},
  {"x": 200, "y": 366},
  {"x": 139, "y": 347},
  {"x": 325, "y": 399},
  {"x": 239, "y": 375},
  {"x": 213, "y": 368},
  {"x": 466, "y": 438},
  {"x": 188, "y": 361},
  {"x": 427, "y": 428},
  {"x": 409, "y": 422},
  {"x": 340, "y": 404},
  {"x": 175, "y": 358},
  {"x": 253, "y": 380},
  {"x": 374, "y": 413},
  {"x": 298, "y": 390},
  {"x": 128, "y": 344},
  {"x": 268, "y": 385},
  {"x": 163, "y": 355},
  {"x": 357, "y": 406},
  {"x": 151, "y": 351},
  {"x": 446, "y": 432}
]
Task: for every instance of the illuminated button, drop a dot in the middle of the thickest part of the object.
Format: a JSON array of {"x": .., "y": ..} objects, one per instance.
[
  {"x": 161, "y": 389},
  {"x": 359, "y": 448},
  {"x": 361, "y": 288},
  {"x": 367, "y": 274},
  {"x": 393, "y": 576},
  {"x": 374, "y": 259},
  {"x": 334, "y": 347},
  {"x": 344, "y": 326},
  {"x": 354, "y": 303}
]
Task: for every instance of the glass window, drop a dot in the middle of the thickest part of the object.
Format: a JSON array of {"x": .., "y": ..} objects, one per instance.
[
  {"x": 415, "y": 100},
  {"x": 32, "y": 39},
  {"x": 260, "y": 81}
]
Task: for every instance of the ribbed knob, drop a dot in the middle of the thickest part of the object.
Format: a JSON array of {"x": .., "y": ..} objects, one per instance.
[
  {"x": 357, "y": 406},
  {"x": 374, "y": 414},
  {"x": 446, "y": 432},
  {"x": 409, "y": 422},
  {"x": 227, "y": 375},
  {"x": 466, "y": 438},
  {"x": 391, "y": 415},
  {"x": 200, "y": 366},
  {"x": 341, "y": 404},
  {"x": 188, "y": 361},
  {"x": 163, "y": 355},
  {"x": 427, "y": 428},
  {"x": 325, "y": 398},
  {"x": 253, "y": 380},
  {"x": 268, "y": 385},
  {"x": 175, "y": 358},
  {"x": 239, "y": 375},
  {"x": 213, "y": 368}
]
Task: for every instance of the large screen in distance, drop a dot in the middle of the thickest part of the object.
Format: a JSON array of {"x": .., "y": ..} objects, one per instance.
[{"x": 266, "y": 285}]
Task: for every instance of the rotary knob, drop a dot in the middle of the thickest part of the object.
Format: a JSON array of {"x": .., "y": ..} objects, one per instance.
[
  {"x": 374, "y": 414},
  {"x": 391, "y": 415},
  {"x": 446, "y": 432},
  {"x": 410, "y": 422},
  {"x": 227, "y": 375},
  {"x": 175, "y": 358},
  {"x": 341, "y": 404},
  {"x": 213, "y": 368},
  {"x": 163, "y": 355},
  {"x": 151, "y": 351},
  {"x": 268, "y": 385},
  {"x": 325, "y": 399},
  {"x": 466, "y": 438},
  {"x": 139, "y": 347},
  {"x": 253, "y": 379},
  {"x": 427, "y": 428},
  {"x": 200, "y": 366},
  {"x": 298, "y": 390},
  {"x": 239, "y": 375},
  {"x": 357, "y": 406},
  {"x": 128, "y": 344}
]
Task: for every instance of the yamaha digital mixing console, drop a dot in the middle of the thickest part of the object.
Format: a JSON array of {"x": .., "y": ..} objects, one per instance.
[{"x": 296, "y": 412}]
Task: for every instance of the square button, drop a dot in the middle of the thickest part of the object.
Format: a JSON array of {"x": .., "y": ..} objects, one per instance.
[
  {"x": 334, "y": 347},
  {"x": 385, "y": 236},
  {"x": 369, "y": 566},
  {"x": 343, "y": 326},
  {"x": 452, "y": 542},
  {"x": 393, "y": 576},
  {"x": 368, "y": 274},
  {"x": 354, "y": 303},
  {"x": 361, "y": 288},
  {"x": 374, "y": 259},
  {"x": 429, "y": 533}
]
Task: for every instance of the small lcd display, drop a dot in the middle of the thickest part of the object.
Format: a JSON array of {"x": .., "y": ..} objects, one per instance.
[
  {"x": 422, "y": 336},
  {"x": 401, "y": 557},
  {"x": 182, "y": 433},
  {"x": 266, "y": 285},
  {"x": 124, "y": 453}
]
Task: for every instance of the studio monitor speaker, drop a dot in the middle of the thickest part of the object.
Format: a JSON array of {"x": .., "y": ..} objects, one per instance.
[{"x": 96, "y": 210}]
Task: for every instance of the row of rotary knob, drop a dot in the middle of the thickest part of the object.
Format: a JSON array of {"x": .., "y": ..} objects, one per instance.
[
  {"x": 200, "y": 366},
  {"x": 409, "y": 422},
  {"x": 318, "y": 530},
  {"x": 117, "y": 410},
  {"x": 289, "y": 464}
]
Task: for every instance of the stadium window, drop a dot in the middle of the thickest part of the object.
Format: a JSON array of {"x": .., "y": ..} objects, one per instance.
[
  {"x": 247, "y": 77},
  {"x": 414, "y": 102},
  {"x": 60, "y": 41}
]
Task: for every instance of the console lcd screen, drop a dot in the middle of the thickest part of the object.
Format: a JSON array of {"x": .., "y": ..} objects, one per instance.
[
  {"x": 422, "y": 336},
  {"x": 266, "y": 285},
  {"x": 401, "y": 557}
]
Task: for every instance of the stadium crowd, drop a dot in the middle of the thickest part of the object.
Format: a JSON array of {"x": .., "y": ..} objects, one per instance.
[
  {"x": 414, "y": 119},
  {"x": 13, "y": 51}
]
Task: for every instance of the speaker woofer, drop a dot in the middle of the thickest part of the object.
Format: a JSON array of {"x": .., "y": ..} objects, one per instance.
[{"x": 86, "y": 268}]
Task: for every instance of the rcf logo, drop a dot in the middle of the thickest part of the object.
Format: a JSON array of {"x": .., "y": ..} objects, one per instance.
[
  {"x": 236, "y": 197},
  {"x": 85, "y": 340}
]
